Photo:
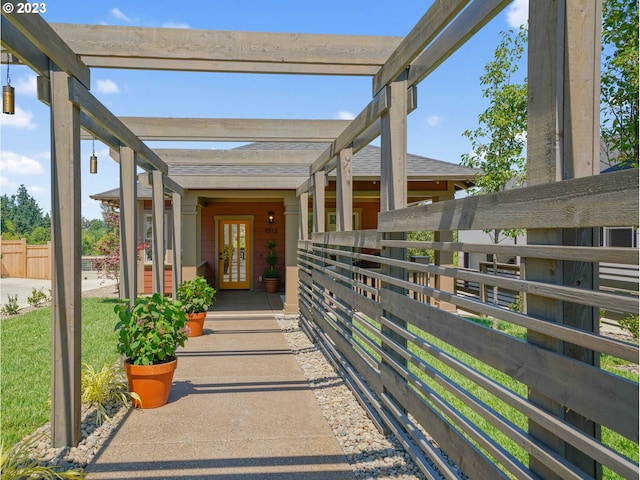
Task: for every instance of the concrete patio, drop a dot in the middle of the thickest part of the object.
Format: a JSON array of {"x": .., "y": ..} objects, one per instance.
[{"x": 240, "y": 408}]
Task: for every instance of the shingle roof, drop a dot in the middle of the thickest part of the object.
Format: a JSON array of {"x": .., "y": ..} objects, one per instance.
[
  {"x": 366, "y": 162},
  {"x": 366, "y": 165}
]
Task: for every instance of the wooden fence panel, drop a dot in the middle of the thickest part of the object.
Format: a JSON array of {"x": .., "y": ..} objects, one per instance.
[
  {"x": 20, "y": 260},
  {"x": 39, "y": 261},
  {"x": 14, "y": 255}
]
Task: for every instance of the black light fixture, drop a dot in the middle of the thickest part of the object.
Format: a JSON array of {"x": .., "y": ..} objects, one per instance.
[
  {"x": 271, "y": 216},
  {"x": 8, "y": 96},
  {"x": 93, "y": 160}
]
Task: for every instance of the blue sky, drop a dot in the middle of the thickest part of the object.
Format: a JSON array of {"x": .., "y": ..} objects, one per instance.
[{"x": 449, "y": 100}]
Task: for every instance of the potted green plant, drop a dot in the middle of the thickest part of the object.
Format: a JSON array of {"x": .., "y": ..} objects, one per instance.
[
  {"x": 271, "y": 275},
  {"x": 195, "y": 296},
  {"x": 149, "y": 333}
]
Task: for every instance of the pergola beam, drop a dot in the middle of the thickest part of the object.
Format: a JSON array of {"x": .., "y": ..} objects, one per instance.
[
  {"x": 427, "y": 28},
  {"x": 236, "y": 157},
  {"x": 17, "y": 43},
  {"x": 224, "y": 182},
  {"x": 234, "y": 129},
  {"x": 188, "y": 65},
  {"x": 467, "y": 24},
  {"x": 368, "y": 116},
  {"x": 47, "y": 41},
  {"x": 81, "y": 97},
  {"x": 168, "y": 48}
]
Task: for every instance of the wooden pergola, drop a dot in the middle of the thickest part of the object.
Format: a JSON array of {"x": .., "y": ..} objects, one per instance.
[{"x": 564, "y": 62}]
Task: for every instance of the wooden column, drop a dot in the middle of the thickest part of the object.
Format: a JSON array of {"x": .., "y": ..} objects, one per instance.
[
  {"x": 158, "y": 231},
  {"x": 303, "y": 208},
  {"x": 563, "y": 137},
  {"x": 190, "y": 240},
  {"x": 393, "y": 144},
  {"x": 66, "y": 282},
  {"x": 444, "y": 259},
  {"x": 128, "y": 225},
  {"x": 176, "y": 205},
  {"x": 318, "y": 202},
  {"x": 292, "y": 221},
  {"x": 393, "y": 194},
  {"x": 344, "y": 191}
]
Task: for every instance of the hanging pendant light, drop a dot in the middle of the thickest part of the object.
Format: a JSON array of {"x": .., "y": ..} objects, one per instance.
[
  {"x": 8, "y": 96},
  {"x": 93, "y": 160}
]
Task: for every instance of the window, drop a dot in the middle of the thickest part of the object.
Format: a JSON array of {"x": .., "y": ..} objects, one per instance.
[
  {"x": 620, "y": 237},
  {"x": 148, "y": 237}
]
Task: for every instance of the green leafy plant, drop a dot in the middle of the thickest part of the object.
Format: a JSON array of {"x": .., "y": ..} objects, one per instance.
[
  {"x": 38, "y": 298},
  {"x": 11, "y": 307},
  {"x": 630, "y": 324},
  {"x": 105, "y": 387},
  {"x": 150, "y": 332},
  {"x": 272, "y": 261},
  {"x": 195, "y": 295},
  {"x": 17, "y": 463}
]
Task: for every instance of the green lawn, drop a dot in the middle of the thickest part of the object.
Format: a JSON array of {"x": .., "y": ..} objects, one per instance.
[{"x": 26, "y": 362}]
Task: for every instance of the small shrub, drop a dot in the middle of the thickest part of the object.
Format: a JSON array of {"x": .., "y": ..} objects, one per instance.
[
  {"x": 38, "y": 298},
  {"x": 630, "y": 324},
  {"x": 11, "y": 307},
  {"x": 516, "y": 306},
  {"x": 17, "y": 463},
  {"x": 104, "y": 388}
]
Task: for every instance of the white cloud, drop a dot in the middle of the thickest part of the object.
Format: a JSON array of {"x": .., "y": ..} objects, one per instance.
[
  {"x": 12, "y": 163},
  {"x": 434, "y": 120},
  {"x": 175, "y": 25},
  {"x": 37, "y": 189},
  {"x": 518, "y": 13},
  {"x": 21, "y": 119},
  {"x": 7, "y": 185},
  {"x": 107, "y": 86},
  {"x": 27, "y": 86},
  {"x": 342, "y": 115},
  {"x": 117, "y": 13}
]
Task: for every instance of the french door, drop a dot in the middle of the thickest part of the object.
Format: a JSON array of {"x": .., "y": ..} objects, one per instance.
[{"x": 234, "y": 254}]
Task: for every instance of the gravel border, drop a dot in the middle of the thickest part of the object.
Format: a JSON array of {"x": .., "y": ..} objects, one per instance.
[{"x": 371, "y": 454}]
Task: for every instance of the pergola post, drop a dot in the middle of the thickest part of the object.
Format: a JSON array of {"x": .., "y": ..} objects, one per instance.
[
  {"x": 292, "y": 220},
  {"x": 176, "y": 205},
  {"x": 393, "y": 192},
  {"x": 303, "y": 208},
  {"x": 66, "y": 241},
  {"x": 158, "y": 231},
  {"x": 318, "y": 202},
  {"x": 344, "y": 191},
  {"x": 128, "y": 225},
  {"x": 563, "y": 110}
]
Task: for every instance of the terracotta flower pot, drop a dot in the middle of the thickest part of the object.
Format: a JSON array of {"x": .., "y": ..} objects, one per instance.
[
  {"x": 272, "y": 285},
  {"x": 152, "y": 383},
  {"x": 195, "y": 322}
]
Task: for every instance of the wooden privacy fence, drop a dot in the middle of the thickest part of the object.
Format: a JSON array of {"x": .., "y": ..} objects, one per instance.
[
  {"x": 25, "y": 261},
  {"x": 443, "y": 380}
]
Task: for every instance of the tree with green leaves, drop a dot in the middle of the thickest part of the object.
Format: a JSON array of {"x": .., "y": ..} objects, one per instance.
[
  {"x": 499, "y": 143},
  {"x": 619, "y": 81}
]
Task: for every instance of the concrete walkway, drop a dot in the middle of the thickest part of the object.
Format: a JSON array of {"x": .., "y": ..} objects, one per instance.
[{"x": 240, "y": 408}]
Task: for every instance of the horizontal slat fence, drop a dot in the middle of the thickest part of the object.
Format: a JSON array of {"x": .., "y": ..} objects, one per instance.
[{"x": 450, "y": 386}]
